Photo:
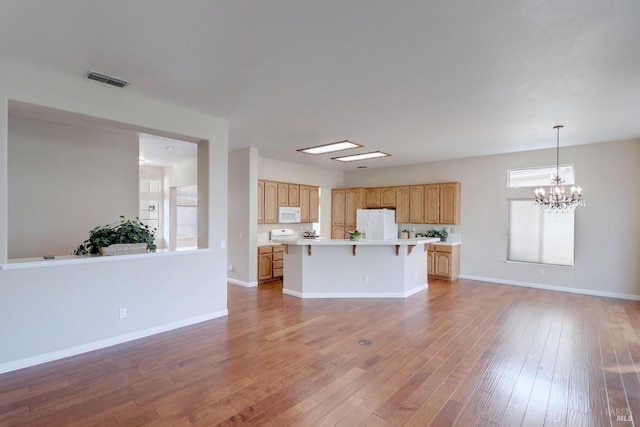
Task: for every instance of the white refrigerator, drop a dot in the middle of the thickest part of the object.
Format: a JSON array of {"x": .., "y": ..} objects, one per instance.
[{"x": 377, "y": 224}]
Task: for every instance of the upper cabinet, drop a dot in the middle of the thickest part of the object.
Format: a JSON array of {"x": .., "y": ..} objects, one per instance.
[
  {"x": 344, "y": 206},
  {"x": 272, "y": 195},
  {"x": 450, "y": 203},
  {"x": 270, "y": 203},
  {"x": 432, "y": 203},
  {"x": 283, "y": 194},
  {"x": 414, "y": 204}
]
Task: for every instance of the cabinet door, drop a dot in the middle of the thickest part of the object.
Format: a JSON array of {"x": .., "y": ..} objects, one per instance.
[
  {"x": 283, "y": 194},
  {"x": 431, "y": 259},
  {"x": 265, "y": 266},
  {"x": 337, "y": 232},
  {"x": 373, "y": 197},
  {"x": 304, "y": 203},
  {"x": 402, "y": 205},
  {"x": 338, "y": 200},
  {"x": 416, "y": 204},
  {"x": 388, "y": 197},
  {"x": 270, "y": 202},
  {"x": 294, "y": 195},
  {"x": 442, "y": 264},
  {"x": 314, "y": 204},
  {"x": 432, "y": 204},
  {"x": 450, "y": 203},
  {"x": 260, "y": 202},
  {"x": 355, "y": 199}
]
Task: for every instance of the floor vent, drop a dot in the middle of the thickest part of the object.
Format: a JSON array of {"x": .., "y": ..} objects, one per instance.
[{"x": 110, "y": 80}]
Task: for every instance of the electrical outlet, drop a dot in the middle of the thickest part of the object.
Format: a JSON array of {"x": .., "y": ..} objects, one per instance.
[
  {"x": 366, "y": 278},
  {"x": 230, "y": 268},
  {"x": 123, "y": 313},
  {"x": 541, "y": 271},
  {"x": 223, "y": 244}
]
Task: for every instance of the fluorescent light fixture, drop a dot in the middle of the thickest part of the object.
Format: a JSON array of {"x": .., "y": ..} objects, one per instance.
[
  {"x": 363, "y": 156},
  {"x": 330, "y": 148}
]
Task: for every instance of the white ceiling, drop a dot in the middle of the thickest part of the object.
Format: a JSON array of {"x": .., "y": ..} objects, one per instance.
[{"x": 422, "y": 80}]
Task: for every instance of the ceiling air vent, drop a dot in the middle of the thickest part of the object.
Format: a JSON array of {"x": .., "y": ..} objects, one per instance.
[{"x": 110, "y": 80}]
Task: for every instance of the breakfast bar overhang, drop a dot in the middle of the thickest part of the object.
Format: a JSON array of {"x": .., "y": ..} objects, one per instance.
[{"x": 395, "y": 268}]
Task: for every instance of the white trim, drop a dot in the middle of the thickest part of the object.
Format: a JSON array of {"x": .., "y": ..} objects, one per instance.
[
  {"x": 553, "y": 288},
  {"x": 241, "y": 283},
  {"x": 355, "y": 294},
  {"x": 85, "y": 348}
]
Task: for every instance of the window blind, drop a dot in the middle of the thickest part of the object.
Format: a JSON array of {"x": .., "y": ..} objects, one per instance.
[{"x": 539, "y": 237}]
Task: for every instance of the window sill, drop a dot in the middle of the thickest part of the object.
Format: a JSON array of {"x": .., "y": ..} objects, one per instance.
[{"x": 20, "y": 263}]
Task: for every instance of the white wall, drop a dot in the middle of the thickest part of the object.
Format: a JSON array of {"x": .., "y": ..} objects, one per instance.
[
  {"x": 55, "y": 199},
  {"x": 606, "y": 244},
  {"x": 56, "y": 310},
  {"x": 243, "y": 206}
]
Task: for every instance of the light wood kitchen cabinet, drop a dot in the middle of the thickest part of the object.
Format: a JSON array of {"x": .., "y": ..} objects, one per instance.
[
  {"x": 450, "y": 203},
  {"x": 381, "y": 197},
  {"x": 345, "y": 203},
  {"x": 338, "y": 204},
  {"x": 443, "y": 262},
  {"x": 355, "y": 198},
  {"x": 402, "y": 204},
  {"x": 265, "y": 263},
  {"x": 416, "y": 204},
  {"x": 283, "y": 194},
  {"x": 314, "y": 204},
  {"x": 388, "y": 197},
  {"x": 294, "y": 195},
  {"x": 272, "y": 195},
  {"x": 304, "y": 203},
  {"x": 373, "y": 197},
  {"x": 432, "y": 203},
  {"x": 270, "y": 202},
  {"x": 260, "y": 202},
  {"x": 270, "y": 262}
]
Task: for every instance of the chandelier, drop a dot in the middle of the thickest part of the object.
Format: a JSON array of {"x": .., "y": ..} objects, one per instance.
[{"x": 557, "y": 201}]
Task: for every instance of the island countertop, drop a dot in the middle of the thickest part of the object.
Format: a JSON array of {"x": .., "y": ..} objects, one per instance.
[{"x": 348, "y": 242}]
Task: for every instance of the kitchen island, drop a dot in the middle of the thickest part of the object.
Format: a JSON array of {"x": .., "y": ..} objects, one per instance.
[{"x": 337, "y": 268}]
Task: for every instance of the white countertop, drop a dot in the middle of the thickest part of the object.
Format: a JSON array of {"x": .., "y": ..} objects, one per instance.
[
  {"x": 344, "y": 242},
  {"x": 446, "y": 243}
]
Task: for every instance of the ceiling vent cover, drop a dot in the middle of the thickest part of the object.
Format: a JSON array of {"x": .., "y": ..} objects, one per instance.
[{"x": 110, "y": 80}]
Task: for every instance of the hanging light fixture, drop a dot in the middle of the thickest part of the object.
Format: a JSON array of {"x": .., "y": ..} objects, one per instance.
[{"x": 557, "y": 201}]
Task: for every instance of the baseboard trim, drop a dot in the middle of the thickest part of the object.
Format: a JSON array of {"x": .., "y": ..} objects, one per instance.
[
  {"x": 241, "y": 283},
  {"x": 308, "y": 295},
  {"x": 96, "y": 345},
  {"x": 553, "y": 288}
]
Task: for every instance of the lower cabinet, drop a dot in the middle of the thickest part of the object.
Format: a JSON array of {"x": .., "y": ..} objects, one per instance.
[
  {"x": 443, "y": 262},
  {"x": 270, "y": 263}
]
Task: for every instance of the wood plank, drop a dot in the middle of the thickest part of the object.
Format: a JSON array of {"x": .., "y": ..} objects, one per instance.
[{"x": 460, "y": 353}]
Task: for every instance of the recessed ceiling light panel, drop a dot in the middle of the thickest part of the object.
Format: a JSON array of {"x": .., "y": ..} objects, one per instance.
[
  {"x": 363, "y": 156},
  {"x": 330, "y": 148}
]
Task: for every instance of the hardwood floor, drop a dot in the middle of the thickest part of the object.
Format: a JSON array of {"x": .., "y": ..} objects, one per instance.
[{"x": 465, "y": 353}]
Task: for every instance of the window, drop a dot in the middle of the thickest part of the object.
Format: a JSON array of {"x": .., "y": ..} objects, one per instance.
[
  {"x": 540, "y": 177},
  {"x": 539, "y": 237}
]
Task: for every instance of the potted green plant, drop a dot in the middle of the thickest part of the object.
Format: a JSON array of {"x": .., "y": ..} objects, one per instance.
[
  {"x": 354, "y": 235},
  {"x": 441, "y": 233},
  {"x": 123, "y": 237},
  {"x": 404, "y": 234}
]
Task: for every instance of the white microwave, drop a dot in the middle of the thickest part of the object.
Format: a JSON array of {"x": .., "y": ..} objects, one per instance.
[{"x": 288, "y": 215}]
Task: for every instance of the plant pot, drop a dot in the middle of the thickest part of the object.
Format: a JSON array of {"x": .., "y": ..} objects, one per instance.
[
  {"x": 124, "y": 249},
  {"x": 404, "y": 235}
]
